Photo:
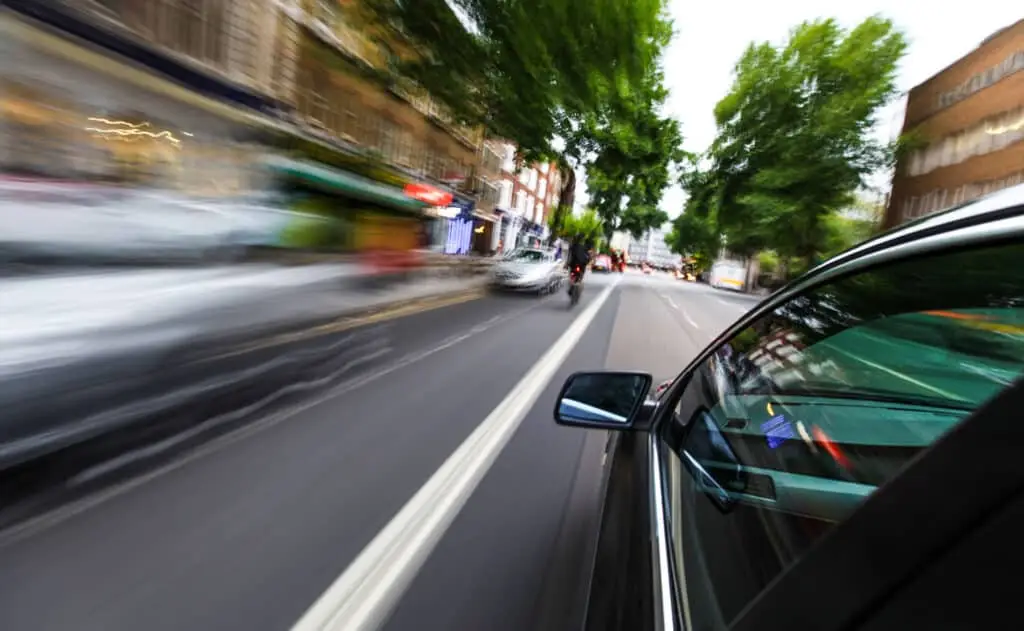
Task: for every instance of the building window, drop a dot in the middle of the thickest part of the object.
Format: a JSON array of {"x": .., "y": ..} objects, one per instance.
[
  {"x": 988, "y": 136},
  {"x": 509, "y": 163},
  {"x": 538, "y": 213},
  {"x": 524, "y": 176},
  {"x": 543, "y": 192},
  {"x": 533, "y": 179},
  {"x": 505, "y": 198},
  {"x": 982, "y": 80}
]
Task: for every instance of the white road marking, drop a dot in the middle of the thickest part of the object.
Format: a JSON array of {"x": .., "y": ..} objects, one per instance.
[
  {"x": 686, "y": 315},
  {"x": 40, "y": 523},
  {"x": 365, "y": 594}
]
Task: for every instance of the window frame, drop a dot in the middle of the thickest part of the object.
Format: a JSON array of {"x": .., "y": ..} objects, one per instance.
[{"x": 949, "y": 232}]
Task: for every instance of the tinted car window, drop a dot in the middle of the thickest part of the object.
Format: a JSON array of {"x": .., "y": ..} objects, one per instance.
[{"x": 787, "y": 427}]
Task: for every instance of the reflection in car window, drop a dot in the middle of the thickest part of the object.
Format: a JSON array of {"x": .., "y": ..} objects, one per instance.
[{"x": 820, "y": 403}]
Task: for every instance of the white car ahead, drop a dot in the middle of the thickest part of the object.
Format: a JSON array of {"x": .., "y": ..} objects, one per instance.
[{"x": 528, "y": 270}]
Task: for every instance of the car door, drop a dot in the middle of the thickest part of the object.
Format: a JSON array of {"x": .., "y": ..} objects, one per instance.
[{"x": 814, "y": 423}]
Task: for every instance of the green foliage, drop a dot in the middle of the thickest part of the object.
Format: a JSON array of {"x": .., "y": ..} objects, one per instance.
[
  {"x": 531, "y": 71},
  {"x": 842, "y": 233},
  {"x": 794, "y": 137},
  {"x": 694, "y": 235},
  {"x": 588, "y": 223}
]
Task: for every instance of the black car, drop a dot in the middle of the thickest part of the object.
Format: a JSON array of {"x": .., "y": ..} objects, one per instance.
[{"x": 847, "y": 456}]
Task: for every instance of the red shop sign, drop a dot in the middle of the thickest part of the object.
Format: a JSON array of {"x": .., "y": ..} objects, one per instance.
[{"x": 428, "y": 194}]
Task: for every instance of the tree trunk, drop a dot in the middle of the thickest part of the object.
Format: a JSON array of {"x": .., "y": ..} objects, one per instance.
[{"x": 566, "y": 198}]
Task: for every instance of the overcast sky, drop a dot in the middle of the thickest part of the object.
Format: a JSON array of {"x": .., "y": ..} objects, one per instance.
[{"x": 711, "y": 36}]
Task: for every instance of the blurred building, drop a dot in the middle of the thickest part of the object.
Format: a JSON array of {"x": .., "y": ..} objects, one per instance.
[
  {"x": 652, "y": 248},
  {"x": 189, "y": 94},
  {"x": 620, "y": 241},
  {"x": 528, "y": 194},
  {"x": 971, "y": 117}
]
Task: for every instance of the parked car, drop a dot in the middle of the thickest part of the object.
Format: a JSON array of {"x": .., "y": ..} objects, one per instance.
[
  {"x": 846, "y": 456},
  {"x": 528, "y": 270}
]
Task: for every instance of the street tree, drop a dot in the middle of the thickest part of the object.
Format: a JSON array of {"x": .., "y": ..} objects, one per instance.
[
  {"x": 696, "y": 236},
  {"x": 581, "y": 85},
  {"x": 794, "y": 141},
  {"x": 587, "y": 224}
]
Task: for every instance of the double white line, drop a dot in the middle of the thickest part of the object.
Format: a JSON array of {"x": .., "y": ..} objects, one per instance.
[{"x": 367, "y": 592}]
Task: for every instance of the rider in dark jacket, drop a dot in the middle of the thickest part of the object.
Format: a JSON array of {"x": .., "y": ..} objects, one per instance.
[{"x": 579, "y": 255}]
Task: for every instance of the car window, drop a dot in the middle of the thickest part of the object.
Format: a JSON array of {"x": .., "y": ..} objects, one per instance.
[
  {"x": 788, "y": 426},
  {"x": 527, "y": 256}
]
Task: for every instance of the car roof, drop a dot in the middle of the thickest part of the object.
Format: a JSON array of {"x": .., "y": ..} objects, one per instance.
[{"x": 974, "y": 211}]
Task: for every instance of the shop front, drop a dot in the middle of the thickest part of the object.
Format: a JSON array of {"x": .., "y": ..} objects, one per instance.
[
  {"x": 459, "y": 226},
  {"x": 382, "y": 222},
  {"x": 484, "y": 233}
]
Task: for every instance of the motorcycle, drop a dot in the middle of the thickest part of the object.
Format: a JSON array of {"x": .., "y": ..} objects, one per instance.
[{"x": 575, "y": 285}]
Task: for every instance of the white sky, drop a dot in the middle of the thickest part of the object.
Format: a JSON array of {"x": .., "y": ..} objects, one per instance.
[{"x": 710, "y": 37}]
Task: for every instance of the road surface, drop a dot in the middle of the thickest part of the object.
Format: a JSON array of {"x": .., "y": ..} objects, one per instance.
[{"x": 249, "y": 531}]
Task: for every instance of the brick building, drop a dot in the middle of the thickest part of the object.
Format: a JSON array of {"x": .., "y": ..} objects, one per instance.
[
  {"x": 528, "y": 195},
  {"x": 972, "y": 117}
]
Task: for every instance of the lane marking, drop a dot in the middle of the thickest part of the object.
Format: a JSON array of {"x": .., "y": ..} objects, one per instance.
[
  {"x": 692, "y": 322},
  {"x": 366, "y": 593},
  {"x": 345, "y": 323},
  {"x": 686, "y": 315},
  {"x": 40, "y": 523}
]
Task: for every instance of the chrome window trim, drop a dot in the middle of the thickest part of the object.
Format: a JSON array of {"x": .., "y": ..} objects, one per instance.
[{"x": 663, "y": 590}]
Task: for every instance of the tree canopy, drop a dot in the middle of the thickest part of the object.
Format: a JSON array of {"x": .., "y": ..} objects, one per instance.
[
  {"x": 588, "y": 224},
  {"x": 578, "y": 82},
  {"x": 794, "y": 141}
]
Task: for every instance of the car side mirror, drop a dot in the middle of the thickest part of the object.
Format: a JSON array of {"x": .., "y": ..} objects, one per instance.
[{"x": 603, "y": 400}]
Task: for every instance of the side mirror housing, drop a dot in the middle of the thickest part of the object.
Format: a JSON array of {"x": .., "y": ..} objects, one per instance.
[{"x": 605, "y": 400}]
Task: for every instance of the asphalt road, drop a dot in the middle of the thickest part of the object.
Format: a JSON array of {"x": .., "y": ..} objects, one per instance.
[{"x": 248, "y": 531}]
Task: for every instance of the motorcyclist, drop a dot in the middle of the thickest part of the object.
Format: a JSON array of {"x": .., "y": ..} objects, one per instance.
[{"x": 579, "y": 256}]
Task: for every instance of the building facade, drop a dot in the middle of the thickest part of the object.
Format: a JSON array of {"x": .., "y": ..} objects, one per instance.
[
  {"x": 651, "y": 248},
  {"x": 971, "y": 118},
  {"x": 527, "y": 195},
  {"x": 179, "y": 93},
  {"x": 74, "y": 112}
]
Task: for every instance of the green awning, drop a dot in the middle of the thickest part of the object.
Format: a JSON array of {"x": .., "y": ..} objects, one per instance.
[{"x": 344, "y": 183}]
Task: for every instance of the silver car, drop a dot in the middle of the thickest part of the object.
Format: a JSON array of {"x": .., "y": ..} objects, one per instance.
[{"x": 528, "y": 270}]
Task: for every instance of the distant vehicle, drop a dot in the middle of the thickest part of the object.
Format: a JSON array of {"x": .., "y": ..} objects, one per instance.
[
  {"x": 646, "y": 268},
  {"x": 876, "y": 394},
  {"x": 728, "y": 275},
  {"x": 602, "y": 263},
  {"x": 527, "y": 270}
]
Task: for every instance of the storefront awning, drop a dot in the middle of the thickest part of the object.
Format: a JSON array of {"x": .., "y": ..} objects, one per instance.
[{"x": 346, "y": 184}]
